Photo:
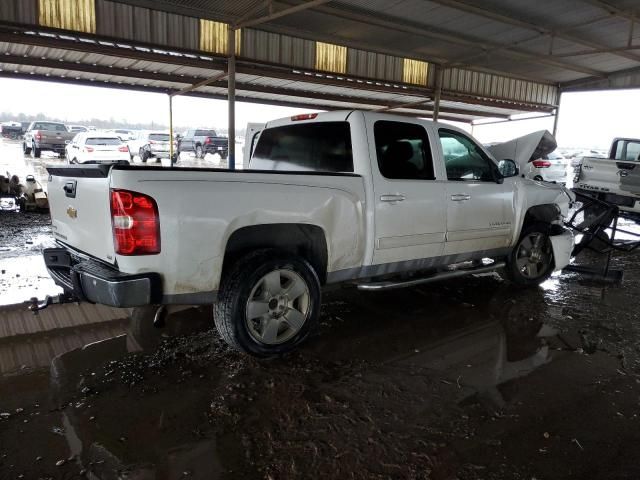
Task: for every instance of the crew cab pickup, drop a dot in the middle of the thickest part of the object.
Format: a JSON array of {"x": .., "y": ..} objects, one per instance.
[
  {"x": 46, "y": 136},
  {"x": 615, "y": 179},
  {"x": 200, "y": 142},
  {"x": 377, "y": 200}
]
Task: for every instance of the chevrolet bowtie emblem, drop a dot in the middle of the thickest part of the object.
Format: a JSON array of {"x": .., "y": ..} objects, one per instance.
[{"x": 72, "y": 212}]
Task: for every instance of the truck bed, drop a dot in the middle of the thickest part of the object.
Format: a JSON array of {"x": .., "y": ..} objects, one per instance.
[{"x": 199, "y": 209}]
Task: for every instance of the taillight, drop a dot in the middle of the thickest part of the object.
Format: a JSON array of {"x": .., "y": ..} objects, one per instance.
[
  {"x": 123, "y": 149},
  {"x": 88, "y": 149},
  {"x": 207, "y": 140},
  {"x": 135, "y": 222},
  {"x": 541, "y": 163},
  {"x": 38, "y": 136},
  {"x": 304, "y": 116}
]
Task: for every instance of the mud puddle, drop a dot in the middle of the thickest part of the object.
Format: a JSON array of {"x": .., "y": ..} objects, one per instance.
[{"x": 468, "y": 379}]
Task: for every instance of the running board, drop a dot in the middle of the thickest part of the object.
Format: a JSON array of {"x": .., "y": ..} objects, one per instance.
[{"x": 392, "y": 285}]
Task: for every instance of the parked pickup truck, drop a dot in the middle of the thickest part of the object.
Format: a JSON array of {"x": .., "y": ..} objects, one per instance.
[
  {"x": 46, "y": 136},
  {"x": 200, "y": 142},
  {"x": 615, "y": 179},
  {"x": 373, "y": 199}
]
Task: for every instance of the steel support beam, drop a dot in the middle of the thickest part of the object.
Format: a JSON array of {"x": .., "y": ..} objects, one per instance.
[
  {"x": 198, "y": 85},
  {"x": 556, "y": 116},
  {"x": 438, "y": 94},
  {"x": 171, "y": 129},
  {"x": 282, "y": 13},
  {"x": 231, "y": 99}
]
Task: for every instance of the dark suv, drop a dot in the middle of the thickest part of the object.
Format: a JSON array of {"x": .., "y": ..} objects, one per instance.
[{"x": 202, "y": 141}]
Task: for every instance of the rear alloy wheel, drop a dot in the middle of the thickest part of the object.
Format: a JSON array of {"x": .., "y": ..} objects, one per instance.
[
  {"x": 268, "y": 303},
  {"x": 531, "y": 261},
  {"x": 35, "y": 152},
  {"x": 199, "y": 151}
]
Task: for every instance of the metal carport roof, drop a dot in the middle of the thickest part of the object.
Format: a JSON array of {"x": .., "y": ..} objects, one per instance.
[{"x": 494, "y": 58}]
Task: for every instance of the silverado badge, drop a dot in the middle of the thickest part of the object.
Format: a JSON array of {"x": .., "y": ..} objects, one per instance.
[{"x": 72, "y": 212}]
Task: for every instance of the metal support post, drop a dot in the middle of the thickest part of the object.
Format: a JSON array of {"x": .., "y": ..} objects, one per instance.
[
  {"x": 231, "y": 98},
  {"x": 556, "y": 116},
  {"x": 171, "y": 149},
  {"x": 438, "y": 92}
]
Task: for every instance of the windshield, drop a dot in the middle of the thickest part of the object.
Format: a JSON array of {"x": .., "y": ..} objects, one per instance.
[
  {"x": 103, "y": 141},
  {"x": 159, "y": 137}
]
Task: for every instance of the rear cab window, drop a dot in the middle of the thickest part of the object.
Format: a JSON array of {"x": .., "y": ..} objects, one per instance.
[
  {"x": 626, "y": 150},
  {"x": 56, "y": 127},
  {"x": 205, "y": 133},
  {"x": 103, "y": 141},
  {"x": 159, "y": 137},
  {"x": 308, "y": 147}
]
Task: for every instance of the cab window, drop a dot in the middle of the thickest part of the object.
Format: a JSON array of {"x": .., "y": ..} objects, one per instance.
[
  {"x": 464, "y": 159},
  {"x": 627, "y": 150},
  {"x": 403, "y": 151}
]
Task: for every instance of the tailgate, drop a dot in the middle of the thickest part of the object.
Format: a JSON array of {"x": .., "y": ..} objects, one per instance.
[
  {"x": 54, "y": 138},
  {"x": 80, "y": 207},
  {"x": 606, "y": 175}
]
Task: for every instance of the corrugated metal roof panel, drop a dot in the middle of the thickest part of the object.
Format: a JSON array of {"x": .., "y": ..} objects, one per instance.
[{"x": 19, "y": 11}]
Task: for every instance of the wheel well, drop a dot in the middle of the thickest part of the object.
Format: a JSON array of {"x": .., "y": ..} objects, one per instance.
[
  {"x": 547, "y": 213},
  {"x": 307, "y": 241}
]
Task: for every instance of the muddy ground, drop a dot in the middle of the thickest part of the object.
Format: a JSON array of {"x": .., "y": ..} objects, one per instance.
[{"x": 468, "y": 379}]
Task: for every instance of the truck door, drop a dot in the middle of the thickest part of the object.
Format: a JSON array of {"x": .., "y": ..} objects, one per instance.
[
  {"x": 479, "y": 209},
  {"x": 408, "y": 197}
]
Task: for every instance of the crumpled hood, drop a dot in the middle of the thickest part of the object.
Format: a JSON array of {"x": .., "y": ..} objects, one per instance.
[{"x": 526, "y": 148}]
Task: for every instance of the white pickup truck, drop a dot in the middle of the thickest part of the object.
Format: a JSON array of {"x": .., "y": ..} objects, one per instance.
[
  {"x": 615, "y": 179},
  {"x": 374, "y": 199}
]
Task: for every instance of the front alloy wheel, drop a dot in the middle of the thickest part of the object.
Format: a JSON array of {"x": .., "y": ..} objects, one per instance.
[{"x": 531, "y": 262}]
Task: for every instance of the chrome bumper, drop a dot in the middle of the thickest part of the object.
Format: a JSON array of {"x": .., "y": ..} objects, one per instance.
[{"x": 92, "y": 281}]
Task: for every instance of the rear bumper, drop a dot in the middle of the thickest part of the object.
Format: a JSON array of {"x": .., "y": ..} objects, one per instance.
[
  {"x": 92, "y": 281},
  {"x": 51, "y": 147},
  {"x": 210, "y": 148}
]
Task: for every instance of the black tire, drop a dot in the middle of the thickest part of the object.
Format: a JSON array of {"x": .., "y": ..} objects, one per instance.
[
  {"x": 538, "y": 178},
  {"x": 141, "y": 327},
  {"x": 199, "y": 151},
  {"x": 143, "y": 156},
  {"x": 25, "y": 149},
  {"x": 230, "y": 310},
  {"x": 35, "y": 152},
  {"x": 522, "y": 276}
]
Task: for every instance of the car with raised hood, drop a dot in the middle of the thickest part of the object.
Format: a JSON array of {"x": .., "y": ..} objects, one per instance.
[
  {"x": 97, "y": 147},
  {"x": 372, "y": 199},
  {"x": 535, "y": 156},
  {"x": 615, "y": 179}
]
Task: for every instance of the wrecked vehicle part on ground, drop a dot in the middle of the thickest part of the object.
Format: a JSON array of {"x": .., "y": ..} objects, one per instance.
[{"x": 352, "y": 206}]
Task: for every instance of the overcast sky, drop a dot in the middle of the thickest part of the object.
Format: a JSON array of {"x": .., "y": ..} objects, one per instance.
[{"x": 586, "y": 119}]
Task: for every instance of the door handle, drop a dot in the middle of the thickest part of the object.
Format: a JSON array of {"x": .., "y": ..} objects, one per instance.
[
  {"x": 587, "y": 167},
  {"x": 392, "y": 198},
  {"x": 460, "y": 197}
]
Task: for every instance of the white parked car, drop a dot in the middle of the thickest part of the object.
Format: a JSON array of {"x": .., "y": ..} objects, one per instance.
[
  {"x": 549, "y": 168},
  {"x": 77, "y": 128},
  {"x": 535, "y": 156},
  {"x": 151, "y": 145},
  {"x": 377, "y": 200},
  {"x": 96, "y": 147}
]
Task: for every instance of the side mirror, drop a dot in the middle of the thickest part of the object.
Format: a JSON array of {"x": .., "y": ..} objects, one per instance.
[{"x": 508, "y": 168}]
